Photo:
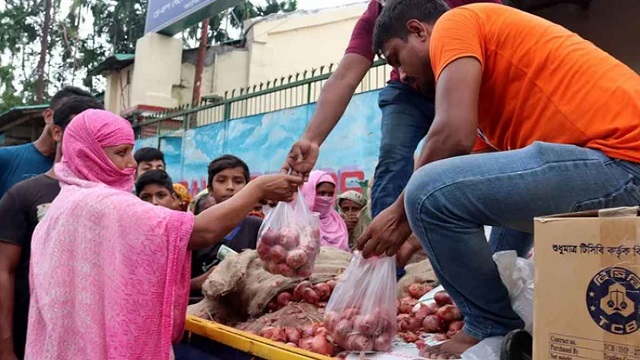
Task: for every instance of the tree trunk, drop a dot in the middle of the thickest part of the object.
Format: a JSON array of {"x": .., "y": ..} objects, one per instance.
[
  {"x": 44, "y": 45},
  {"x": 202, "y": 51}
]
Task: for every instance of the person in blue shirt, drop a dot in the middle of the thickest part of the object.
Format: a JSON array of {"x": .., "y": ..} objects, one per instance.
[{"x": 22, "y": 162}]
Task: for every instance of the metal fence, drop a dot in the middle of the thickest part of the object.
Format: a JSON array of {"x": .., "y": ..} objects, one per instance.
[{"x": 282, "y": 93}]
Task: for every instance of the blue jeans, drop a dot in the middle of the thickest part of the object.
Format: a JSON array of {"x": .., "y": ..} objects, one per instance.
[
  {"x": 449, "y": 201},
  {"x": 407, "y": 115},
  {"x": 503, "y": 239}
]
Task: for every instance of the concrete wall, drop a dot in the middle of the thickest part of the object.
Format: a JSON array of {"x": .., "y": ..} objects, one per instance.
[
  {"x": 157, "y": 70},
  {"x": 283, "y": 45},
  {"x": 231, "y": 70},
  {"x": 117, "y": 96},
  {"x": 613, "y": 25}
]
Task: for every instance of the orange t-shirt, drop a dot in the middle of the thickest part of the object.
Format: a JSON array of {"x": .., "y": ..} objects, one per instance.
[{"x": 541, "y": 82}]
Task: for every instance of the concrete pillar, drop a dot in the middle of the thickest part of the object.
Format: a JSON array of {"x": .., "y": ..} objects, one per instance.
[{"x": 157, "y": 69}]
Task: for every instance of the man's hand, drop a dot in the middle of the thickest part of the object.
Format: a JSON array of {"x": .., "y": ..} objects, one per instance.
[
  {"x": 278, "y": 187},
  {"x": 301, "y": 159},
  {"x": 387, "y": 232},
  {"x": 406, "y": 251}
]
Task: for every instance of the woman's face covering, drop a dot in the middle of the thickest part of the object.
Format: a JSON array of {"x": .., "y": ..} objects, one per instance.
[{"x": 121, "y": 156}]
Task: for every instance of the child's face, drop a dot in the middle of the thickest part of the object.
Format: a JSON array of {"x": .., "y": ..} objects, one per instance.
[
  {"x": 145, "y": 166},
  {"x": 227, "y": 183},
  {"x": 160, "y": 196}
]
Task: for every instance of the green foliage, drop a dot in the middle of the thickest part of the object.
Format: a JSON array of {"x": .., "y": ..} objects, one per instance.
[
  {"x": 115, "y": 27},
  {"x": 236, "y": 17}
]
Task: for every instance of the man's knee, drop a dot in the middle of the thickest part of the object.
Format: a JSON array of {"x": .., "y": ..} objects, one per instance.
[{"x": 431, "y": 190}]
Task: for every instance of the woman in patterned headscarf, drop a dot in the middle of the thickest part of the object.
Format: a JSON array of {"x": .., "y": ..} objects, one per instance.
[
  {"x": 354, "y": 210},
  {"x": 183, "y": 194}
]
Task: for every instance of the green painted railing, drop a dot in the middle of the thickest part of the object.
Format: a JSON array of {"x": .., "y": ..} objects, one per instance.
[{"x": 282, "y": 93}]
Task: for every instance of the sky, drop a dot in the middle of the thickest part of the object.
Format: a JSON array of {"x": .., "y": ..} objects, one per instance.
[{"x": 318, "y": 4}]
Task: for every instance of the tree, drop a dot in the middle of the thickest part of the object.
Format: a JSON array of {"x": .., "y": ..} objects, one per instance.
[
  {"x": 44, "y": 46},
  {"x": 20, "y": 31},
  {"x": 122, "y": 21},
  {"x": 247, "y": 10},
  {"x": 236, "y": 17}
]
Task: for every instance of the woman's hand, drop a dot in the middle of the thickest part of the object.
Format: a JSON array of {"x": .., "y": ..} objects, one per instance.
[{"x": 278, "y": 187}]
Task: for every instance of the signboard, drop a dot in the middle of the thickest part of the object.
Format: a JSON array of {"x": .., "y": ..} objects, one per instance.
[{"x": 169, "y": 17}]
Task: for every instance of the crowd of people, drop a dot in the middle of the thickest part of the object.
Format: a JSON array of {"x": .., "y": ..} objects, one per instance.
[
  {"x": 100, "y": 166},
  {"x": 100, "y": 249}
]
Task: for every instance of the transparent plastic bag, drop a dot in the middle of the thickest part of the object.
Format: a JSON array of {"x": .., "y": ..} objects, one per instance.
[
  {"x": 289, "y": 239},
  {"x": 361, "y": 313},
  {"x": 487, "y": 349},
  {"x": 517, "y": 275}
]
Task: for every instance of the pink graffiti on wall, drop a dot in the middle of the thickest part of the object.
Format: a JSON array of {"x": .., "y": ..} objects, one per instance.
[{"x": 346, "y": 179}]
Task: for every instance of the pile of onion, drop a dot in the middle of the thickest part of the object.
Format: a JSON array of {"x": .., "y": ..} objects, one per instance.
[
  {"x": 317, "y": 294},
  {"x": 313, "y": 338},
  {"x": 442, "y": 317},
  {"x": 354, "y": 330}
]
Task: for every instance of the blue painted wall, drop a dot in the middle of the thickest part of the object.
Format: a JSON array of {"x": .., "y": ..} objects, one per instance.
[{"x": 263, "y": 141}]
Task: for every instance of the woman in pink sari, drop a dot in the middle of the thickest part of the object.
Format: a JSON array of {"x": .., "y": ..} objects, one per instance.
[
  {"x": 320, "y": 194},
  {"x": 110, "y": 273}
]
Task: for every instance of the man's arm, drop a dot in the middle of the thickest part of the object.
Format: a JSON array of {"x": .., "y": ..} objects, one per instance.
[
  {"x": 9, "y": 258},
  {"x": 333, "y": 101},
  {"x": 453, "y": 133},
  {"x": 455, "y": 125},
  {"x": 335, "y": 96}
]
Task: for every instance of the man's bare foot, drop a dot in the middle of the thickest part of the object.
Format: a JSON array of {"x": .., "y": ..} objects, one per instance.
[{"x": 451, "y": 349}]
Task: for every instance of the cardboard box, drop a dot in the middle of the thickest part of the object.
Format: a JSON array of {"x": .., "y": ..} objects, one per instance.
[{"x": 587, "y": 286}]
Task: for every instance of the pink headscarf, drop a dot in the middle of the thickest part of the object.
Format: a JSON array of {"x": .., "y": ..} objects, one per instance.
[
  {"x": 84, "y": 139},
  {"x": 109, "y": 274},
  {"x": 333, "y": 230}
]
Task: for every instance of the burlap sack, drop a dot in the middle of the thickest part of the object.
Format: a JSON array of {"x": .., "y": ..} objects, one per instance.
[
  {"x": 419, "y": 272},
  {"x": 296, "y": 315},
  {"x": 241, "y": 282}
]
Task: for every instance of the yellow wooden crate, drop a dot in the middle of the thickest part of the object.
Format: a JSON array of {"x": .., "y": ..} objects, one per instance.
[{"x": 247, "y": 342}]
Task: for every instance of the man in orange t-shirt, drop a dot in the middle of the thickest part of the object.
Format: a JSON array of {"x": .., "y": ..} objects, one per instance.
[{"x": 562, "y": 115}]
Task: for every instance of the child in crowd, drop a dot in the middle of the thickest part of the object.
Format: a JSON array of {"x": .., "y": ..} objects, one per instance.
[
  {"x": 156, "y": 187},
  {"x": 183, "y": 195},
  {"x": 227, "y": 176},
  {"x": 203, "y": 202},
  {"x": 320, "y": 194},
  {"x": 149, "y": 158}
]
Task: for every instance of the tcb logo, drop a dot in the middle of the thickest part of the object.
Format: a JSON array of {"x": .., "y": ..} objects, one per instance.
[{"x": 613, "y": 299}]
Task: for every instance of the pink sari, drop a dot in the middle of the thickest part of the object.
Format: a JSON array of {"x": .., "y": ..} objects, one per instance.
[{"x": 109, "y": 273}]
